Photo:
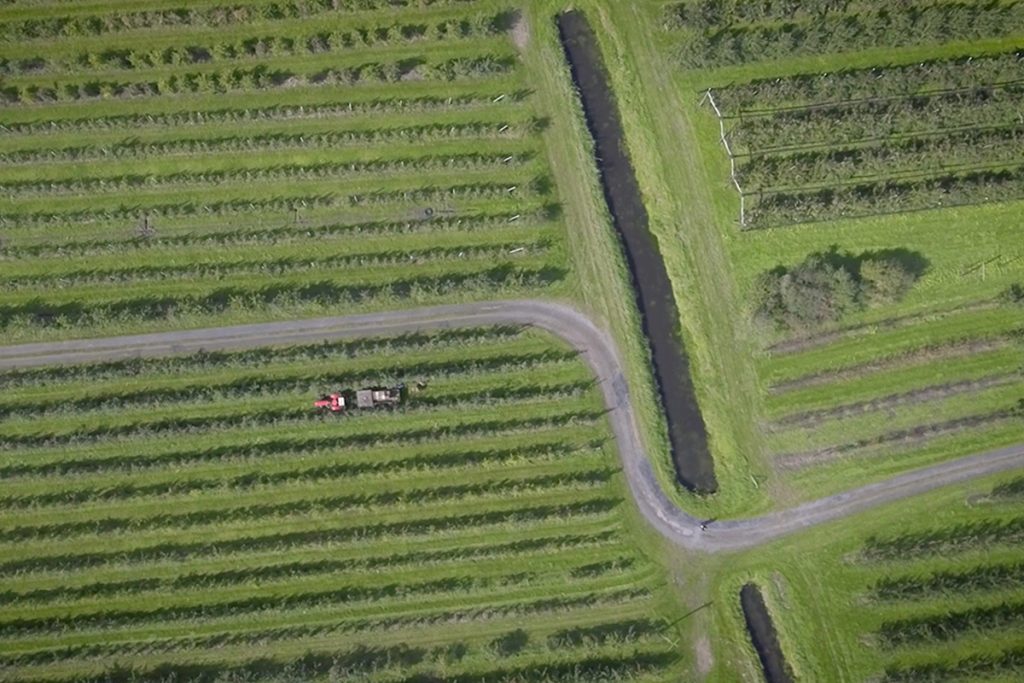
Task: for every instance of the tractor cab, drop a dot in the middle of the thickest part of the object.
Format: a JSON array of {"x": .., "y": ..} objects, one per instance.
[{"x": 335, "y": 403}]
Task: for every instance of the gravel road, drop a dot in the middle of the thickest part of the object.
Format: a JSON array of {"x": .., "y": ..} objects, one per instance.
[{"x": 602, "y": 356}]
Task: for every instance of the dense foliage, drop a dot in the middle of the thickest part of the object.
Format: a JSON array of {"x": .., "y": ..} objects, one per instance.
[
  {"x": 722, "y": 32},
  {"x": 820, "y": 146},
  {"x": 826, "y": 286}
]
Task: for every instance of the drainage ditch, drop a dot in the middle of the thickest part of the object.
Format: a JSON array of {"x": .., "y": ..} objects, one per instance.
[
  {"x": 659, "y": 313},
  {"x": 762, "y": 633}
]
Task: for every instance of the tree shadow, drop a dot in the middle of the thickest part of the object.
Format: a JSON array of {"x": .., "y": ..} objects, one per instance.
[{"x": 511, "y": 643}]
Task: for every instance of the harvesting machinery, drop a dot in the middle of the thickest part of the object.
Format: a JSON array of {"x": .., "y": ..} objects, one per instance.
[
  {"x": 367, "y": 398},
  {"x": 379, "y": 397}
]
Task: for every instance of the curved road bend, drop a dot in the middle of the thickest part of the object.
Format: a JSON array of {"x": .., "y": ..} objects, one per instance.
[{"x": 602, "y": 356}]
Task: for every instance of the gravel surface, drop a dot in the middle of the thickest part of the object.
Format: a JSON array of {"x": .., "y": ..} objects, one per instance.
[{"x": 601, "y": 354}]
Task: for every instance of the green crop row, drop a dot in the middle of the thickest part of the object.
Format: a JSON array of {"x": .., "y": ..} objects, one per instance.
[
  {"x": 244, "y": 481},
  {"x": 272, "y": 266},
  {"x": 897, "y": 438},
  {"x": 208, "y": 361},
  {"x": 863, "y": 28},
  {"x": 261, "y": 77},
  {"x": 123, "y": 184},
  {"x": 284, "y": 234},
  {"x": 171, "y": 210},
  {"x": 493, "y": 282},
  {"x": 1010, "y": 491},
  {"x": 1007, "y": 664},
  {"x": 810, "y": 418},
  {"x": 260, "y": 46},
  {"x": 282, "y": 541},
  {"x": 254, "y": 114},
  {"x": 344, "y": 595},
  {"x": 944, "y": 333},
  {"x": 207, "y": 390},
  {"x": 377, "y": 465},
  {"x": 429, "y": 195},
  {"x": 847, "y": 123},
  {"x": 568, "y": 667},
  {"x": 253, "y": 417},
  {"x": 586, "y": 638},
  {"x": 950, "y": 625},
  {"x": 380, "y": 501},
  {"x": 985, "y": 577},
  {"x": 930, "y": 76},
  {"x": 942, "y": 189},
  {"x": 217, "y": 16},
  {"x": 137, "y": 149},
  {"x": 537, "y": 187},
  {"x": 283, "y": 571},
  {"x": 456, "y": 455},
  {"x": 843, "y": 165},
  {"x": 948, "y": 540}
]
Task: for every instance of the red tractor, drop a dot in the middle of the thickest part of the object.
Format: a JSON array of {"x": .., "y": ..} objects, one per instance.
[
  {"x": 367, "y": 398},
  {"x": 335, "y": 403}
]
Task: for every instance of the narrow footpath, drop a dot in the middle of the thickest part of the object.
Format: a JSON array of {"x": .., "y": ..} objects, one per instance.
[{"x": 602, "y": 356}]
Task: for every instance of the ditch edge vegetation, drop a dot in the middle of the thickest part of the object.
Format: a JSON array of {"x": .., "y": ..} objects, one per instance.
[{"x": 659, "y": 313}]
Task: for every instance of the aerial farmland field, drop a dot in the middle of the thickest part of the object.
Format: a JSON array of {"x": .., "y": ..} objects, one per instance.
[
  {"x": 877, "y": 598},
  {"x": 853, "y": 156},
  {"x": 189, "y": 516},
  {"x": 192, "y": 158},
  {"x": 490, "y": 341}
]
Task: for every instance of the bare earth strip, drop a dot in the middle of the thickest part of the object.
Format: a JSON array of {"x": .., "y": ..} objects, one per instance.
[{"x": 603, "y": 358}]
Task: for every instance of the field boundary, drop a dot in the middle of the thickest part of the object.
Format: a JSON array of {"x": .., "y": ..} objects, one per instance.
[
  {"x": 728, "y": 150},
  {"x": 601, "y": 355}
]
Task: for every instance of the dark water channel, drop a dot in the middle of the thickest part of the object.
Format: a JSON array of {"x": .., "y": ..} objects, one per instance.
[
  {"x": 687, "y": 433},
  {"x": 762, "y": 633}
]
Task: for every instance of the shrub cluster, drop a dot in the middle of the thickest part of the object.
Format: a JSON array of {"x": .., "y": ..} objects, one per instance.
[{"x": 828, "y": 285}]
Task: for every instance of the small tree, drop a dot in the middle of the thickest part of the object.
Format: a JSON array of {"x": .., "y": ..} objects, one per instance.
[
  {"x": 812, "y": 293},
  {"x": 884, "y": 281},
  {"x": 829, "y": 285}
]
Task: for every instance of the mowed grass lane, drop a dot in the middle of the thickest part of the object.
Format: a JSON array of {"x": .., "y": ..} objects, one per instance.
[{"x": 193, "y": 516}]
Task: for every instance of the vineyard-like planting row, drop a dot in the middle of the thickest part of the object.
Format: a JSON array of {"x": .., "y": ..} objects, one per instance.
[
  {"x": 934, "y": 587},
  {"x": 953, "y": 382},
  {"x": 272, "y": 160},
  {"x": 816, "y": 147},
  {"x": 713, "y": 33},
  {"x": 930, "y": 589},
  {"x": 159, "y": 510}
]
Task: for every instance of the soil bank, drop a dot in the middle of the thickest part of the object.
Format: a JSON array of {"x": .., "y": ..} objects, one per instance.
[
  {"x": 762, "y": 633},
  {"x": 687, "y": 433}
]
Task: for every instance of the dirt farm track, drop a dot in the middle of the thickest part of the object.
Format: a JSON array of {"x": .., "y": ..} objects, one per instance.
[{"x": 601, "y": 355}]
